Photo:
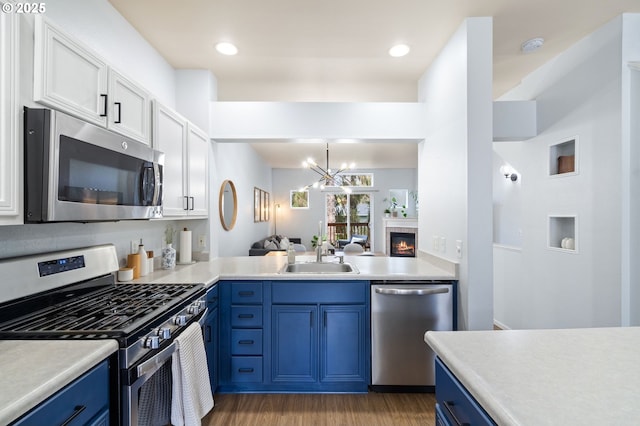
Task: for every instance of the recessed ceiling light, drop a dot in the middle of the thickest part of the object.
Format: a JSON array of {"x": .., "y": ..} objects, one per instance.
[
  {"x": 399, "y": 50},
  {"x": 226, "y": 48},
  {"x": 532, "y": 45}
]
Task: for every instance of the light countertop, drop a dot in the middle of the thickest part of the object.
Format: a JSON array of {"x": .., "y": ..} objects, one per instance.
[
  {"x": 268, "y": 267},
  {"x": 585, "y": 376},
  {"x": 53, "y": 364},
  {"x": 34, "y": 370}
]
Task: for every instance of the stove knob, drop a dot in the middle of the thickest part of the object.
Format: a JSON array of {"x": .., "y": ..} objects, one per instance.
[
  {"x": 194, "y": 308},
  {"x": 164, "y": 333},
  {"x": 180, "y": 320},
  {"x": 152, "y": 342}
]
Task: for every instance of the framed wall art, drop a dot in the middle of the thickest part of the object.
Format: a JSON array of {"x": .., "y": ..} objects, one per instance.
[{"x": 299, "y": 199}]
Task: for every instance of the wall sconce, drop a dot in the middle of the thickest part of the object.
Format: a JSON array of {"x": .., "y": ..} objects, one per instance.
[{"x": 509, "y": 172}]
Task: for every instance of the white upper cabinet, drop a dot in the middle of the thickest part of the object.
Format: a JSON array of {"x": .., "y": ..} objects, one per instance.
[
  {"x": 185, "y": 171},
  {"x": 198, "y": 160},
  {"x": 10, "y": 139},
  {"x": 70, "y": 77},
  {"x": 130, "y": 108}
]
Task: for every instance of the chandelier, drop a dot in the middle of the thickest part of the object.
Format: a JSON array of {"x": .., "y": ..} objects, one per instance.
[{"x": 327, "y": 176}]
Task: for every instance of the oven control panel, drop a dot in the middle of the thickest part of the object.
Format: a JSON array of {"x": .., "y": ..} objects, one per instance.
[{"x": 56, "y": 266}]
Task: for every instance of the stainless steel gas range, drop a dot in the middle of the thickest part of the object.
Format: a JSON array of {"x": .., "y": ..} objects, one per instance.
[{"x": 73, "y": 295}]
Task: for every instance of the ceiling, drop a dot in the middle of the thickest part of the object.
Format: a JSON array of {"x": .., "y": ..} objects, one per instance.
[{"x": 336, "y": 50}]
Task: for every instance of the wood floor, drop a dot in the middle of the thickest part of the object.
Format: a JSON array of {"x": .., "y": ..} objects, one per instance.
[{"x": 323, "y": 409}]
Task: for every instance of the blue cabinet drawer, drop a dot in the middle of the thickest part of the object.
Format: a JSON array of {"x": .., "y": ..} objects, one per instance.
[
  {"x": 212, "y": 296},
  {"x": 246, "y": 292},
  {"x": 313, "y": 292},
  {"x": 77, "y": 404},
  {"x": 246, "y": 342},
  {"x": 246, "y": 316},
  {"x": 454, "y": 402},
  {"x": 246, "y": 369}
]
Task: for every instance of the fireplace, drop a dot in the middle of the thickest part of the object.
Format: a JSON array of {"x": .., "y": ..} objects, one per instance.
[{"x": 402, "y": 244}]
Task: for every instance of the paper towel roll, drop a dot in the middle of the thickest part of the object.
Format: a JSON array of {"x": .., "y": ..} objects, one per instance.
[{"x": 185, "y": 246}]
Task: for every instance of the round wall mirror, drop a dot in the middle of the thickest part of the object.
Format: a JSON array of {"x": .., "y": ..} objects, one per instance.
[{"x": 228, "y": 205}]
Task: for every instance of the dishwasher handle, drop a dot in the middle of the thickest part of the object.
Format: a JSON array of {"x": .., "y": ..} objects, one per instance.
[{"x": 411, "y": 291}]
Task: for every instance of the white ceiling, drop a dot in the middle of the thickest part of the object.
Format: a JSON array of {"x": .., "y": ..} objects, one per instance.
[{"x": 336, "y": 50}]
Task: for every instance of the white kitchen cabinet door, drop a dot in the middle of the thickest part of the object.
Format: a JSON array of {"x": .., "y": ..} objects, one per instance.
[
  {"x": 198, "y": 171},
  {"x": 68, "y": 76},
  {"x": 10, "y": 140},
  {"x": 170, "y": 137},
  {"x": 129, "y": 108}
]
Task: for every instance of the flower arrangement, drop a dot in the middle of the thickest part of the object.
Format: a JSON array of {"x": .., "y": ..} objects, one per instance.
[{"x": 168, "y": 234}]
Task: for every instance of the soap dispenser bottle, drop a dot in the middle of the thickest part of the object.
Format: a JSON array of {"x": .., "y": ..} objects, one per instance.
[
  {"x": 291, "y": 255},
  {"x": 144, "y": 264}
]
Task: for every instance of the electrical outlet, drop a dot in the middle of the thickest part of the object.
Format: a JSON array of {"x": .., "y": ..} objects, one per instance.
[
  {"x": 134, "y": 246},
  {"x": 459, "y": 249},
  {"x": 202, "y": 242},
  {"x": 443, "y": 244}
]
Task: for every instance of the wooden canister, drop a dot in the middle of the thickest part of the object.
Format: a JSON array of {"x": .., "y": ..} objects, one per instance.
[{"x": 133, "y": 261}]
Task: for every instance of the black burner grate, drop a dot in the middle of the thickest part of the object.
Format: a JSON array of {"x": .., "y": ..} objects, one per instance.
[{"x": 113, "y": 310}]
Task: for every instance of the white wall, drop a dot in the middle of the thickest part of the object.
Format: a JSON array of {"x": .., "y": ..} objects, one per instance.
[
  {"x": 239, "y": 163},
  {"x": 578, "y": 94},
  {"x": 455, "y": 164},
  {"x": 630, "y": 170},
  {"x": 303, "y": 223}
]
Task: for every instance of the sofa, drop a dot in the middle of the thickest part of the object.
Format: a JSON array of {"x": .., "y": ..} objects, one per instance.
[{"x": 271, "y": 243}]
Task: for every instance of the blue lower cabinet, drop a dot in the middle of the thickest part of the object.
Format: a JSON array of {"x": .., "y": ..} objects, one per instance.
[
  {"x": 294, "y": 336},
  {"x": 83, "y": 402},
  {"x": 343, "y": 343},
  {"x": 294, "y": 351},
  {"x": 454, "y": 404}
]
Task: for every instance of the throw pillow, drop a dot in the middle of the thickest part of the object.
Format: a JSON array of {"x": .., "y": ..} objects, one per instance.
[
  {"x": 270, "y": 245},
  {"x": 284, "y": 243},
  {"x": 358, "y": 240}
]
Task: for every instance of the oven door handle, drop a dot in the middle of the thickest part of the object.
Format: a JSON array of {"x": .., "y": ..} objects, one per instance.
[
  {"x": 203, "y": 318},
  {"x": 152, "y": 365}
]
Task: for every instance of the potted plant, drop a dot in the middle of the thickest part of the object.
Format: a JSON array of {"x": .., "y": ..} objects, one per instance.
[
  {"x": 314, "y": 240},
  {"x": 393, "y": 205},
  {"x": 387, "y": 213}
]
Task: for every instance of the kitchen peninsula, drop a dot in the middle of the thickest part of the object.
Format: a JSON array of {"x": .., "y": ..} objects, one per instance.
[
  {"x": 20, "y": 399},
  {"x": 584, "y": 376}
]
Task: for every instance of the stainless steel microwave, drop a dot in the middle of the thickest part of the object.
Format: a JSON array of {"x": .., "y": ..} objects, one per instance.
[{"x": 78, "y": 172}]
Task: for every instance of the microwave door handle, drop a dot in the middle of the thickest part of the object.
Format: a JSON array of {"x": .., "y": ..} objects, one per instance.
[
  {"x": 157, "y": 187},
  {"x": 144, "y": 184}
]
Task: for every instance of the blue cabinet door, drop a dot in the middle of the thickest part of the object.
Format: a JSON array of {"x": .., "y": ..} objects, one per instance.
[
  {"x": 343, "y": 343},
  {"x": 294, "y": 343},
  {"x": 211, "y": 339}
]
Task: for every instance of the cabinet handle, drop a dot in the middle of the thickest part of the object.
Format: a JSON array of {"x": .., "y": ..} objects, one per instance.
[
  {"x": 325, "y": 319},
  {"x": 193, "y": 203},
  {"x": 245, "y": 370},
  {"x": 448, "y": 405},
  {"x": 185, "y": 198},
  {"x": 311, "y": 319},
  {"x": 119, "y": 119},
  {"x": 247, "y": 293},
  {"x": 245, "y": 342},
  {"x": 76, "y": 412},
  {"x": 105, "y": 105},
  {"x": 245, "y": 316},
  {"x": 208, "y": 328}
]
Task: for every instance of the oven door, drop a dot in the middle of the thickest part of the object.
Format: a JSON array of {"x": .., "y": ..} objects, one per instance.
[
  {"x": 147, "y": 399},
  {"x": 75, "y": 171}
]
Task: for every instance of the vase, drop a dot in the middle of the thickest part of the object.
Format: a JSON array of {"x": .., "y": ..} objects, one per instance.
[
  {"x": 168, "y": 257},
  {"x": 394, "y": 213}
]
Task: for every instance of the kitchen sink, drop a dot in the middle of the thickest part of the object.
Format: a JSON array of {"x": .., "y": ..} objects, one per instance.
[{"x": 320, "y": 268}]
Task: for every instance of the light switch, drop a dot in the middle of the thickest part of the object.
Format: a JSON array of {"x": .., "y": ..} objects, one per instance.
[
  {"x": 459, "y": 249},
  {"x": 443, "y": 244},
  {"x": 436, "y": 243}
]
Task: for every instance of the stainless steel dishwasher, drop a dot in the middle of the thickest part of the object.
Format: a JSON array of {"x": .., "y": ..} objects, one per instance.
[{"x": 401, "y": 312}]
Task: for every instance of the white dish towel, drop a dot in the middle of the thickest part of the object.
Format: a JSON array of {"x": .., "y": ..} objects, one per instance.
[{"x": 191, "y": 397}]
